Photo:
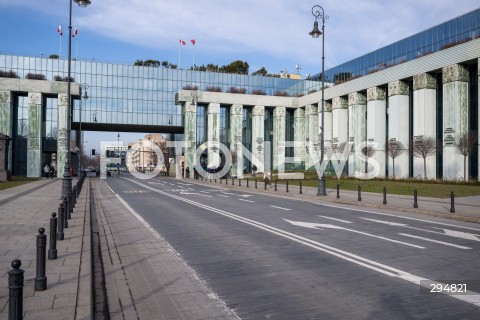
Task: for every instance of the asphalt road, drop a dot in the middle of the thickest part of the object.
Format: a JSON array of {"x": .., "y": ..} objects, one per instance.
[{"x": 274, "y": 258}]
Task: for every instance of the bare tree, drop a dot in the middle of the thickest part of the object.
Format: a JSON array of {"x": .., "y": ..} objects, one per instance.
[
  {"x": 394, "y": 149},
  {"x": 465, "y": 144},
  {"x": 423, "y": 147},
  {"x": 368, "y": 151}
]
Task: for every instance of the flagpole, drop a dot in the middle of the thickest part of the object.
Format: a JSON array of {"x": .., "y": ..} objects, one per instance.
[
  {"x": 179, "y": 46},
  {"x": 193, "y": 56},
  {"x": 60, "y": 45},
  {"x": 76, "y": 48}
]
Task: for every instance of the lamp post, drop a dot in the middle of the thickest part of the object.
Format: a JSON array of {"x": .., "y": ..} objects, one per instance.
[
  {"x": 67, "y": 178},
  {"x": 85, "y": 98},
  {"x": 318, "y": 12}
]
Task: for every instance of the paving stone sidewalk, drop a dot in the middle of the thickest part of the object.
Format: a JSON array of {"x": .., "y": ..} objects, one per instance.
[{"x": 23, "y": 210}]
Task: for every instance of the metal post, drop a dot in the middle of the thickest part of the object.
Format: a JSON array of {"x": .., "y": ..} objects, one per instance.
[
  {"x": 239, "y": 182},
  {"x": 338, "y": 191},
  {"x": 415, "y": 200},
  {"x": 60, "y": 235},
  {"x": 70, "y": 206},
  {"x": 52, "y": 250},
  {"x": 265, "y": 186},
  {"x": 255, "y": 183},
  {"x": 215, "y": 180},
  {"x": 40, "y": 278},
  {"x": 65, "y": 214},
  {"x": 359, "y": 193},
  {"x": 233, "y": 179},
  {"x": 301, "y": 187},
  {"x": 452, "y": 202},
  {"x": 15, "y": 291},
  {"x": 287, "y": 185},
  {"x": 275, "y": 185},
  {"x": 247, "y": 182},
  {"x": 384, "y": 195}
]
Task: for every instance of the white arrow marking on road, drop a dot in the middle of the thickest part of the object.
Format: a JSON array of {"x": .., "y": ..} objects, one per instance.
[
  {"x": 446, "y": 232},
  {"x": 331, "y": 226},
  {"x": 339, "y": 220},
  {"x": 281, "y": 208},
  {"x": 460, "y": 234},
  {"x": 436, "y": 241}
]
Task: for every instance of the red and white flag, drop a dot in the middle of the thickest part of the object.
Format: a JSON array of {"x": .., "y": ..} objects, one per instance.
[
  {"x": 75, "y": 32},
  {"x": 182, "y": 42},
  {"x": 59, "y": 30},
  {"x": 192, "y": 41}
]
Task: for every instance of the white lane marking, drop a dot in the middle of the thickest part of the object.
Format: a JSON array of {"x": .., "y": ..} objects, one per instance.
[
  {"x": 395, "y": 216},
  {"x": 281, "y": 208},
  {"x": 446, "y": 232},
  {"x": 331, "y": 226},
  {"x": 160, "y": 183},
  {"x": 229, "y": 193},
  {"x": 435, "y": 241},
  {"x": 339, "y": 220},
  {"x": 221, "y": 195},
  {"x": 345, "y": 255},
  {"x": 203, "y": 191},
  {"x": 246, "y": 200},
  {"x": 244, "y": 195},
  {"x": 199, "y": 194}
]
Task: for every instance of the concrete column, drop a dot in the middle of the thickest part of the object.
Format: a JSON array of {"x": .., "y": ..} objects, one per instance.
[
  {"x": 279, "y": 138},
  {"x": 340, "y": 124},
  {"x": 258, "y": 141},
  {"x": 478, "y": 120},
  {"x": 311, "y": 136},
  {"x": 190, "y": 136},
  {"x": 299, "y": 137},
  {"x": 357, "y": 130},
  {"x": 6, "y": 125},
  {"x": 213, "y": 135},
  {"x": 236, "y": 112},
  {"x": 377, "y": 126},
  {"x": 455, "y": 118},
  {"x": 424, "y": 119},
  {"x": 398, "y": 125},
  {"x": 328, "y": 123},
  {"x": 34, "y": 150}
]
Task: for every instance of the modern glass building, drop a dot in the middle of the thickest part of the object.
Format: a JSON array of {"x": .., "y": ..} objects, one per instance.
[
  {"x": 445, "y": 35},
  {"x": 424, "y": 86}
]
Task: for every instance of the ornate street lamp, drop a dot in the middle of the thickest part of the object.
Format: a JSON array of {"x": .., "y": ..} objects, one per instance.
[
  {"x": 318, "y": 12},
  {"x": 67, "y": 178}
]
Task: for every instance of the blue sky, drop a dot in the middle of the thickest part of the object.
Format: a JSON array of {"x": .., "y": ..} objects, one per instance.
[{"x": 265, "y": 33}]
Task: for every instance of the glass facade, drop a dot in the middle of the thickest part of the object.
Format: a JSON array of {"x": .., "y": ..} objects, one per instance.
[
  {"x": 448, "y": 34},
  {"x": 20, "y": 136},
  {"x": 132, "y": 95},
  {"x": 50, "y": 124}
]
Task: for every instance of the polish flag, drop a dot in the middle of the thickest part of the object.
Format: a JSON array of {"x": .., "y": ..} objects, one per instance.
[
  {"x": 75, "y": 32},
  {"x": 182, "y": 42},
  {"x": 192, "y": 41},
  {"x": 59, "y": 30}
]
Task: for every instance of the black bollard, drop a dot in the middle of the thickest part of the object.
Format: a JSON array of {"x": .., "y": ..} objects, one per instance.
[
  {"x": 415, "y": 200},
  {"x": 384, "y": 195},
  {"x": 359, "y": 193},
  {"x": 40, "y": 278},
  {"x": 275, "y": 185},
  {"x": 220, "y": 180},
  {"x": 52, "y": 249},
  {"x": 215, "y": 180},
  {"x": 300, "y": 187},
  {"x": 60, "y": 234},
  {"x": 247, "y": 182},
  {"x": 338, "y": 191},
  {"x": 239, "y": 182},
  {"x": 452, "y": 202},
  {"x": 233, "y": 180},
  {"x": 287, "y": 186},
  {"x": 65, "y": 214},
  {"x": 255, "y": 183},
  {"x": 265, "y": 186},
  {"x": 15, "y": 288}
]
